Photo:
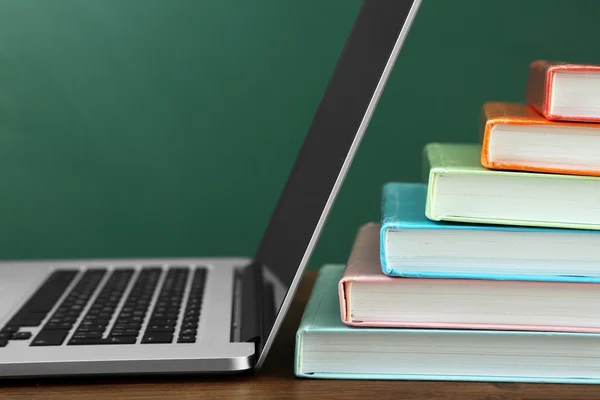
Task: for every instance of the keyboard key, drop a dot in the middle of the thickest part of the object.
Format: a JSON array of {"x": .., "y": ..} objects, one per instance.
[
  {"x": 61, "y": 326},
  {"x": 158, "y": 337},
  {"x": 93, "y": 320},
  {"x": 121, "y": 340},
  {"x": 87, "y": 322},
  {"x": 85, "y": 341},
  {"x": 163, "y": 321},
  {"x": 133, "y": 333},
  {"x": 25, "y": 322},
  {"x": 3, "y": 342},
  {"x": 29, "y": 315},
  {"x": 6, "y": 336},
  {"x": 87, "y": 335},
  {"x": 161, "y": 328},
  {"x": 50, "y": 338},
  {"x": 21, "y": 336},
  {"x": 186, "y": 339},
  {"x": 87, "y": 329},
  {"x": 9, "y": 329}
]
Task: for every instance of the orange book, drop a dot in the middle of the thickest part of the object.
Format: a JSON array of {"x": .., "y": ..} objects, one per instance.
[
  {"x": 517, "y": 138},
  {"x": 564, "y": 92}
]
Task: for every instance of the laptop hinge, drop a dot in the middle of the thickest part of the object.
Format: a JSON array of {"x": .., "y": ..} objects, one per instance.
[{"x": 253, "y": 305}]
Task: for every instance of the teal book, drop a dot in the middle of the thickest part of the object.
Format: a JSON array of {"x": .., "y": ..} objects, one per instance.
[
  {"x": 460, "y": 189},
  {"x": 413, "y": 246},
  {"x": 326, "y": 348}
]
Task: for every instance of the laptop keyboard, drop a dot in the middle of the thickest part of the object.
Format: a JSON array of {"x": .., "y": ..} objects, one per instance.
[{"x": 115, "y": 315}]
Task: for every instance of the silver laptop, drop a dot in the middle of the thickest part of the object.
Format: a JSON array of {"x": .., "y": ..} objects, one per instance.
[{"x": 202, "y": 315}]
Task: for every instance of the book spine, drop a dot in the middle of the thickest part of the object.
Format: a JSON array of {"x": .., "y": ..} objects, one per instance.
[
  {"x": 388, "y": 214},
  {"x": 307, "y": 323},
  {"x": 432, "y": 157},
  {"x": 537, "y": 89},
  {"x": 485, "y": 130}
]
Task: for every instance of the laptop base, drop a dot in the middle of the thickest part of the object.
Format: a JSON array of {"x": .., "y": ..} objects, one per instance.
[{"x": 212, "y": 351}]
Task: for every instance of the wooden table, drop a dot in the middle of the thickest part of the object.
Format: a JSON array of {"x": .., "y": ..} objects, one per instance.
[{"x": 276, "y": 381}]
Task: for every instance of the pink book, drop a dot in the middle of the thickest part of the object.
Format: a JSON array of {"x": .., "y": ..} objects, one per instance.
[{"x": 369, "y": 298}]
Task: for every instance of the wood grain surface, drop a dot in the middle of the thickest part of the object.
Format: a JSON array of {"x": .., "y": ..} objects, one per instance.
[{"x": 277, "y": 381}]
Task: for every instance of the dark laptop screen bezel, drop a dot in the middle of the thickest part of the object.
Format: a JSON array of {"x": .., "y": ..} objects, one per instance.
[{"x": 332, "y": 140}]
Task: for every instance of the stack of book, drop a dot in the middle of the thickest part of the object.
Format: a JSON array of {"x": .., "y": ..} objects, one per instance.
[{"x": 489, "y": 270}]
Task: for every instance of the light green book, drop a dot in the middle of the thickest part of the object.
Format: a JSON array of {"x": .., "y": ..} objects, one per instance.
[{"x": 460, "y": 189}]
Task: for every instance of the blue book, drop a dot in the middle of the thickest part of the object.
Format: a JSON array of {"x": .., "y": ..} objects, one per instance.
[
  {"x": 413, "y": 246},
  {"x": 328, "y": 349}
]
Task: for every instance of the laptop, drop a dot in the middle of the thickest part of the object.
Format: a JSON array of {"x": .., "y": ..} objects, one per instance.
[{"x": 202, "y": 315}]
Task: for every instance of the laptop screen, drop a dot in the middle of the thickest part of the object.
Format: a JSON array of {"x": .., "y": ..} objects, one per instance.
[{"x": 332, "y": 140}]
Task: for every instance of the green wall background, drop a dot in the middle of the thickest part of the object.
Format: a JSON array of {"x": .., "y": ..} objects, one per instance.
[{"x": 167, "y": 128}]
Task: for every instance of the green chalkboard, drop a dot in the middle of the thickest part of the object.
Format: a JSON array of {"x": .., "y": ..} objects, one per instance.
[{"x": 134, "y": 127}]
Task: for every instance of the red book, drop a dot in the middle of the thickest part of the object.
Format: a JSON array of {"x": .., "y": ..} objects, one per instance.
[{"x": 564, "y": 92}]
